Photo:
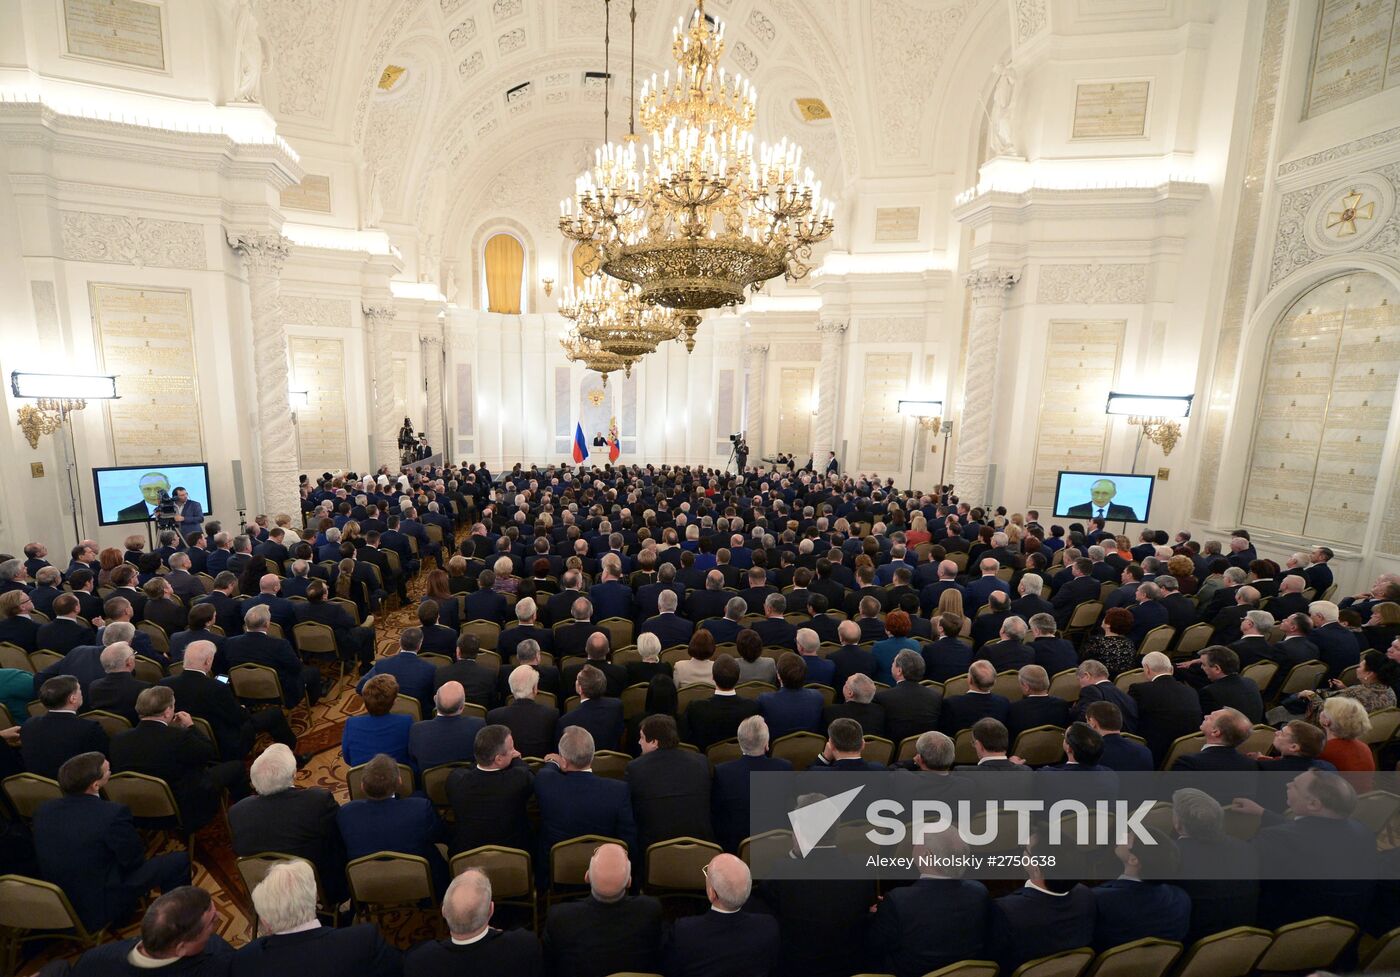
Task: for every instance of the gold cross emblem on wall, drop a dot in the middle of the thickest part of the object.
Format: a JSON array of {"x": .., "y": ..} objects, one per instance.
[{"x": 1352, "y": 210}]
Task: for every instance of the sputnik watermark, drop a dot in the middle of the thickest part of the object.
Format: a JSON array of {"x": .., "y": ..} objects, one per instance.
[{"x": 933, "y": 817}]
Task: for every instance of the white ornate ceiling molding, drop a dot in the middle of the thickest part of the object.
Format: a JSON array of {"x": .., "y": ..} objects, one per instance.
[
  {"x": 1377, "y": 140},
  {"x": 129, "y": 240},
  {"x": 1175, "y": 198},
  {"x": 303, "y": 39},
  {"x": 1091, "y": 284},
  {"x": 797, "y": 352},
  {"x": 1336, "y": 217},
  {"x": 1032, "y": 16},
  {"x": 313, "y": 310},
  {"x": 374, "y": 66},
  {"x": 891, "y": 329}
]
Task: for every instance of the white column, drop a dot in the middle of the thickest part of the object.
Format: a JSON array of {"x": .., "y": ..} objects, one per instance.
[
  {"x": 432, "y": 376},
  {"x": 989, "y": 287},
  {"x": 263, "y": 255},
  {"x": 833, "y": 331},
  {"x": 380, "y": 319},
  {"x": 757, "y": 356}
]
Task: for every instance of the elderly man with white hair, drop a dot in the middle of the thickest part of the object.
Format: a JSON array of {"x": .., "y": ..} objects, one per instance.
[
  {"x": 1166, "y": 708},
  {"x": 235, "y": 728},
  {"x": 729, "y": 795},
  {"x": 526, "y": 628},
  {"x": 725, "y": 940},
  {"x": 293, "y": 941},
  {"x": 117, "y": 690},
  {"x": 1338, "y": 647},
  {"x": 473, "y": 946},
  {"x": 609, "y": 931},
  {"x": 530, "y": 722}
]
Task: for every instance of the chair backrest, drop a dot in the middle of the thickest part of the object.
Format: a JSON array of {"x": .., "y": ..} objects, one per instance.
[
  {"x": 765, "y": 848},
  {"x": 355, "y": 776},
  {"x": 254, "y": 868},
  {"x": 1384, "y": 955},
  {"x": 148, "y": 670},
  {"x": 32, "y": 904},
  {"x": 1304, "y": 675},
  {"x": 1040, "y": 746},
  {"x": 1182, "y": 745},
  {"x": 159, "y": 639},
  {"x": 435, "y": 780},
  {"x": 877, "y": 749},
  {"x": 1260, "y": 673},
  {"x": 1158, "y": 639},
  {"x": 1008, "y": 684},
  {"x": 147, "y": 796},
  {"x": 6, "y": 720},
  {"x": 1349, "y": 675},
  {"x": 957, "y": 685},
  {"x": 1085, "y": 614},
  {"x": 1384, "y": 723},
  {"x": 678, "y": 863},
  {"x": 1065, "y": 685},
  {"x": 674, "y": 656},
  {"x": 202, "y": 727},
  {"x": 407, "y": 705},
  {"x": 110, "y": 722},
  {"x": 964, "y": 968},
  {"x": 43, "y": 658},
  {"x": 752, "y": 690},
  {"x": 1149, "y": 957},
  {"x": 256, "y": 682},
  {"x": 619, "y": 629},
  {"x": 1260, "y": 738},
  {"x": 568, "y": 860},
  {"x": 1193, "y": 639},
  {"x": 693, "y": 692},
  {"x": 350, "y": 607},
  {"x": 314, "y": 638},
  {"x": 828, "y": 694},
  {"x": 799, "y": 749},
  {"x": 13, "y": 656},
  {"x": 487, "y": 632},
  {"x": 1131, "y": 677},
  {"x": 723, "y": 752},
  {"x": 390, "y": 878},
  {"x": 1375, "y": 809},
  {"x": 625, "y": 656},
  {"x": 634, "y": 700},
  {"x": 1309, "y": 944},
  {"x": 507, "y": 868},
  {"x": 1067, "y": 963},
  {"x": 27, "y": 791},
  {"x": 611, "y": 763}
]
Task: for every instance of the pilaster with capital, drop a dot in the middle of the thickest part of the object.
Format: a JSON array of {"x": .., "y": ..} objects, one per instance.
[
  {"x": 263, "y": 256},
  {"x": 833, "y": 332},
  {"x": 380, "y": 319},
  {"x": 431, "y": 342},
  {"x": 989, "y": 287},
  {"x": 757, "y": 356}
]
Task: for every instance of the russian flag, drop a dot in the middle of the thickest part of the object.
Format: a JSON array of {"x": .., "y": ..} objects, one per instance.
[
  {"x": 580, "y": 445},
  {"x": 614, "y": 449}
]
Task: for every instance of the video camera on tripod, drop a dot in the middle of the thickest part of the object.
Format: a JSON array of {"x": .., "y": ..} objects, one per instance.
[{"x": 166, "y": 515}]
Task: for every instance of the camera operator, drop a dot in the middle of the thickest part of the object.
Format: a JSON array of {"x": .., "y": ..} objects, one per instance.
[
  {"x": 189, "y": 512},
  {"x": 741, "y": 452}
]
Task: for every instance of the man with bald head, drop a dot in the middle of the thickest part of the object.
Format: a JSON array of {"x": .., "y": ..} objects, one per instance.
[
  {"x": 283, "y": 611},
  {"x": 724, "y": 942},
  {"x": 610, "y": 931},
  {"x": 450, "y": 735},
  {"x": 473, "y": 945},
  {"x": 198, "y": 693}
]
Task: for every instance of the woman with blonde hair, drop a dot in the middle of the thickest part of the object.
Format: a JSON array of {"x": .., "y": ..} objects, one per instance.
[
  {"x": 506, "y": 580},
  {"x": 951, "y": 602},
  {"x": 918, "y": 531},
  {"x": 1344, "y": 720}
]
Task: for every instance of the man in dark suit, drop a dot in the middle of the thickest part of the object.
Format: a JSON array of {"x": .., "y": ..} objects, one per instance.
[
  {"x": 935, "y": 922},
  {"x": 185, "y": 585},
  {"x": 601, "y": 716},
  {"x": 558, "y": 606},
  {"x": 1226, "y": 687},
  {"x": 292, "y": 820},
  {"x": 117, "y": 690},
  {"x": 572, "y": 639},
  {"x": 1095, "y": 686},
  {"x": 596, "y": 651},
  {"x": 50, "y": 740},
  {"x": 531, "y": 723},
  {"x": 477, "y": 681},
  {"x": 858, "y": 695},
  {"x": 669, "y": 627},
  {"x": 527, "y": 628},
  {"x": 1036, "y": 707},
  {"x": 724, "y": 941},
  {"x": 449, "y": 736},
  {"x": 1138, "y": 904},
  {"x": 489, "y": 798},
  {"x": 730, "y": 792},
  {"x": 257, "y": 647},
  {"x": 89, "y": 847},
  {"x": 910, "y": 708},
  {"x": 1148, "y": 612},
  {"x": 1101, "y": 504},
  {"x": 1336, "y": 646},
  {"x": 575, "y": 801},
  {"x": 292, "y": 940},
  {"x": 1044, "y": 917},
  {"x": 1218, "y": 872},
  {"x": 355, "y": 642},
  {"x": 484, "y": 603},
  {"x": 384, "y": 821},
  {"x": 670, "y": 787},
  {"x": 1053, "y": 654},
  {"x": 1010, "y": 652},
  {"x": 611, "y": 597},
  {"x": 978, "y": 702},
  {"x": 1166, "y": 708},
  {"x": 474, "y": 946},
  {"x": 708, "y": 721},
  {"x": 1225, "y": 729},
  {"x": 164, "y": 744},
  {"x": 1295, "y": 648},
  {"x": 414, "y": 675},
  {"x": 711, "y": 602},
  {"x": 227, "y": 610},
  {"x": 1079, "y": 588},
  {"x": 986, "y": 627},
  {"x": 65, "y": 632},
  {"x": 608, "y": 932},
  {"x": 16, "y": 626},
  {"x": 1120, "y": 754},
  {"x": 178, "y": 936},
  {"x": 850, "y": 658}
]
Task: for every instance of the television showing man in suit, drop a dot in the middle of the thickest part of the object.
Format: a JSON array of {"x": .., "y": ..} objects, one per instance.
[
  {"x": 1115, "y": 497},
  {"x": 132, "y": 494}
]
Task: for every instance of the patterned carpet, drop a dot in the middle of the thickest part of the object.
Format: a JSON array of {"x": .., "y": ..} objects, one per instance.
[{"x": 318, "y": 732}]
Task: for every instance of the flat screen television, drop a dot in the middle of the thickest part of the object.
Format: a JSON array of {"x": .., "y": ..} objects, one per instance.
[
  {"x": 129, "y": 494},
  {"x": 1118, "y": 496}
]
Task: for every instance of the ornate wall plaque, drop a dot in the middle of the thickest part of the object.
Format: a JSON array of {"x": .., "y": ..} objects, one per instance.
[
  {"x": 125, "y": 32},
  {"x": 1110, "y": 109}
]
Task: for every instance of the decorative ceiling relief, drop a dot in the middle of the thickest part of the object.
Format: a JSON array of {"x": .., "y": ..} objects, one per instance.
[
  {"x": 506, "y": 9},
  {"x": 449, "y": 6},
  {"x": 389, "y": 137},
  {"x": 380, "y": 57},
  {"x": 1331, "y": 218},
  {"x": 516, "y": 190},
  {"x": 812, "y": 109},
  {"x": 302, "y": 53},
  {"x": 462, "y": 34},
  {"x": 470, "y": 65},
  {"x": 1092, "y": 284},
  {"x": 761, "y": 26},
  {"x": 1030, "y": 19},
  {"x": 511, "y": 41},
  {"x": 745, "y": 58},
  {"x": 896, "y": 329}
]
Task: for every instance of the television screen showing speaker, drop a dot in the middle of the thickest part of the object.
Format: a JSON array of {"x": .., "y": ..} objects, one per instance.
[
  {"x": 131, "y": 494},
  {"x": 1114, "y": 496}
]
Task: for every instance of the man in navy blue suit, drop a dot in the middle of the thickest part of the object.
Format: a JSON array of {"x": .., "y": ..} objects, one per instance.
[
  {"x": 602, "y": 717},
  {"x": 1148, "y": 612},
  {"x": 611, "y": 597},
  {"x": 292, "y": 940},
  {"x": 283, "y": 611},
  {"x": 938, "y": 920},
  {"x": 724, "y": 941},
  {"x": 1336, "y": 646},
  {"x": 450, "y": 737},
  {"x": 1119, "y": 752},
  {"x": 1044, "y": 917},
  {"x": 978, "y": 702},
  {"x": 575, "y": 801},
  {"x": 89, "y": 847},
  {"x": 382, "y": 821},
  {"x": 1096, "y": 686},
  {"x": 414, "y": 675},
  {"x": 474, "y": 946},
  {"x": 1137, "y": 905},
  {"x": 257, "y": 647},
  {"x": 729, "y": 795},
  {"x": 669, "y": 627},
  {"x": 1053, "y": 654},
  {"x": 178, "y": 937},
  {"x": 1080, "y": 587},
  {"x": 980, "y": 589}
]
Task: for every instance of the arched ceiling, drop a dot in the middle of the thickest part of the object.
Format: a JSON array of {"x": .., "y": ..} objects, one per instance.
[{"x": 494, "y": 94}]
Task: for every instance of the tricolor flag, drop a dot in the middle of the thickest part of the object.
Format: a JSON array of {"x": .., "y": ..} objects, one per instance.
[
  {"x": 614, "y": 445},
  {"x": 580, "y": 445}
]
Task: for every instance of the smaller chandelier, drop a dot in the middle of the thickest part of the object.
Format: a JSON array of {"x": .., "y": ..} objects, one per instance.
[{"x": 577, "y": 349}]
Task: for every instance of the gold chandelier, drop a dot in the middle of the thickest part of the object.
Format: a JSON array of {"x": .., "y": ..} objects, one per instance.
[
  {"x": 611, "y": 324},
  {"x": 696, "y": 218}
]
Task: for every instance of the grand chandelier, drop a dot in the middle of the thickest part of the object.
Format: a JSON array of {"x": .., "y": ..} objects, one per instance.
[
  {"x": 612, "y": 325},
  {"x": 696, "y": 218}
]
